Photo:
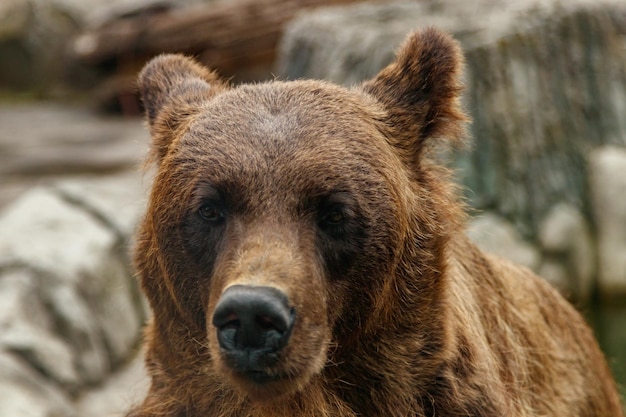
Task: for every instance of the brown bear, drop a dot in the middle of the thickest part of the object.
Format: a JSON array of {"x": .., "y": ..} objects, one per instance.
[{"x": 304, "y": 256}]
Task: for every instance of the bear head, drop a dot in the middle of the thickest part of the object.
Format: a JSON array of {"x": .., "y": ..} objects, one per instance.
[{"x": 288, "y": 221}]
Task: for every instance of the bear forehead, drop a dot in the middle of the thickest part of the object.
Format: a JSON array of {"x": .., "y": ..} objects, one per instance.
[
  {"x": 283, "y": 116},
  {"x": 282, "y": 128}
]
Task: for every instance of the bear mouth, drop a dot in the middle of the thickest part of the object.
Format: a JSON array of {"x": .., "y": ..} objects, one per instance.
[
  {"x": 261, "y": 377},
  {"x": 255, "y": 367},
  {"x": 262, "y": 386}
]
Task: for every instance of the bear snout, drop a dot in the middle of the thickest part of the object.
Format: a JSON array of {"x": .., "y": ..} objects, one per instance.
[{"x": 253, "y": 323}]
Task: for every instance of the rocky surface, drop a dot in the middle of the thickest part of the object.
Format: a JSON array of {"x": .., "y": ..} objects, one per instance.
[
  {"x": 25, "y": 393},
  {"x": 608, "y": 191},
  {"x": 496, "y": 235},
  {"x": 569, "y": 251},
  {"x": 70, "y": 309},
  {"x": 47, "y": 142},
  {"x": 117, "y": 394}
]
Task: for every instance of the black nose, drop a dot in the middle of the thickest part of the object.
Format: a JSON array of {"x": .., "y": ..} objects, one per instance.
[{"x": 253, "y": 323}]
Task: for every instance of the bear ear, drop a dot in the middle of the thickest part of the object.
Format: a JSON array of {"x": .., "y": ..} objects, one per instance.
[
  {"x": 172, "y": 87},
  {"x": 421, "y": 91}
]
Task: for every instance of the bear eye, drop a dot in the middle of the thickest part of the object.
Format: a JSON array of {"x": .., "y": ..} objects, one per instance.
[
  {"x": 335, "y": 213},
  {"x": 211, "y": 213},
  {"x": 334, "y": 217}
]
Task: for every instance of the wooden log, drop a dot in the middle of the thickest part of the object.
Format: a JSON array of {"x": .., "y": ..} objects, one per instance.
[{"x": 227, "y": 35}]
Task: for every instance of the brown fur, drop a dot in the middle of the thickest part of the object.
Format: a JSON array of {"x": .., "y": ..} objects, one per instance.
[{"x": 398, "y": 314}]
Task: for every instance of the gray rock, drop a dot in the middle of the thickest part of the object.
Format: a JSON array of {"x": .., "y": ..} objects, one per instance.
[
  {"x": 565, "y": 238},
  {"x": 40, "y": 217},
  {"x": 117, "y": 200},
  {"x": 121, "y": 391},
  {"x": 495, "y": 235},
  {"x": 346, "y": 44},
  {"x": 24, "y": 393},
  {"x": 70, "y": 309},
  {"x": 44, "y": 143},
  {"x": 66, "y": 250},
  {"x": 28, "y": 330},
  {"x": 608, "y": 190},
  {"x": 556, "y": 274},
  {"x": 82, "y": 276}
]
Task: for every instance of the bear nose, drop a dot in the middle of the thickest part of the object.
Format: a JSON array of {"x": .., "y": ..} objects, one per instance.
[{"x": 252, "y": 322}]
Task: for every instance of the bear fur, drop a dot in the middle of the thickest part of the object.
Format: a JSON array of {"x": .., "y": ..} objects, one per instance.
[{"x": 328, "y": 195}]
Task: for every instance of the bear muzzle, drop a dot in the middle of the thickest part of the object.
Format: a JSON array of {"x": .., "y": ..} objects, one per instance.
[{"x": 253, "y": 324}]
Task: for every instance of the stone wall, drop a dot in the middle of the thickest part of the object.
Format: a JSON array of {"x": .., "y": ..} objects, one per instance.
[
  {"x": 71, "y": 191},
  {"x": 70, "y": 309}
]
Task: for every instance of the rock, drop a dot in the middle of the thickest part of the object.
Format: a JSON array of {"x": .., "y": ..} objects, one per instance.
[
  {"x": 527, "y": 160},
  {"x": 70, "y": 310},
  {"x": 82, "y": 280},
  {"x": 64, "y": 270},
  {"x": 57, "y": 142},
  {"x": 116, "y": 203},
  {"x": 556, "y": 274},
  {"x": 39, "y": 217},
  {"x": 348, "y": 44},
  {"x": 494, "y": 234},
  {"x": 608, "y": 190},
  {"x": 61, "y": 140},
  {"x": 123, "y": 390},
  {"x": 566, "y": 240},
  {"x": 23, "y": 393},
  {"x": 117, "y": 200},
  {"x": 28, "y": 330}
]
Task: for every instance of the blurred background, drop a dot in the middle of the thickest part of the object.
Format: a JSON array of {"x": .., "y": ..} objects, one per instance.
[{"x": 545, "y": 175}]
